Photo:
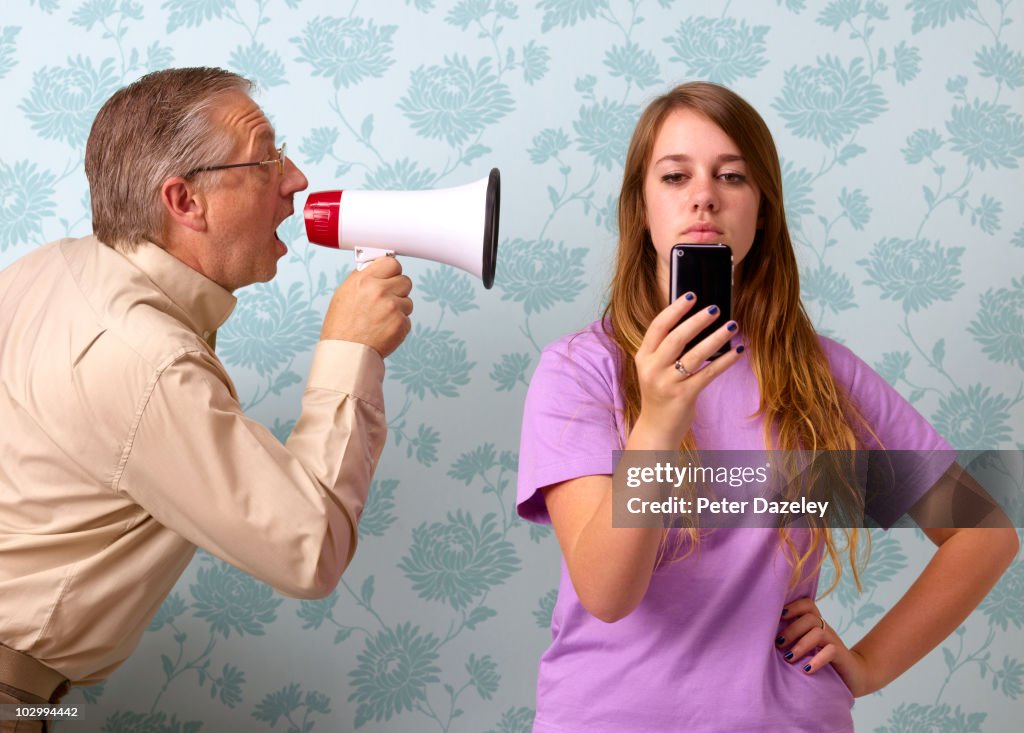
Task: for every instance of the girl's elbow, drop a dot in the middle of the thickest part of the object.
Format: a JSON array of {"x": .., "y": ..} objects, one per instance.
[
  {"x": 1009, "y": 544},
  {"x": 996, "y": 547},
  {"x": 609, "y": 615},
  {"x": 608, "y": 609}
]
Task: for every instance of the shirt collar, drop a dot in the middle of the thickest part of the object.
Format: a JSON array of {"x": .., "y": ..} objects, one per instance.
[{"x": 204, "y": 304}]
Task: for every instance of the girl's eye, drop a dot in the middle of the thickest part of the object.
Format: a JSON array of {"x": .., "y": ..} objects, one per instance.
[
  {"x": 733, "y": 177},
  {"x": 672, "y": 177}
]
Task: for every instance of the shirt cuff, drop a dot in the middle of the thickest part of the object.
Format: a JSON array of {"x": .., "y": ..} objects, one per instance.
[{"x": 349, "y": 367}]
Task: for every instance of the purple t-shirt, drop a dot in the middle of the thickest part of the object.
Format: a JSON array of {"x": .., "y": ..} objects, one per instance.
[{"x": 698, "y": 653}]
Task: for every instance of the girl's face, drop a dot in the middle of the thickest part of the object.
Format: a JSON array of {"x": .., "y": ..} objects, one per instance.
[{"x": 697, "y": 189}]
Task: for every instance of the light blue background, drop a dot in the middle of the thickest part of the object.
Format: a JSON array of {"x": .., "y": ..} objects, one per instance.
[{"x": 902, "y": 134}]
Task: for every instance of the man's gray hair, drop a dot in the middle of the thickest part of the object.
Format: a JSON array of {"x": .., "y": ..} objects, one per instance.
[{"x": 156, "y": 127}]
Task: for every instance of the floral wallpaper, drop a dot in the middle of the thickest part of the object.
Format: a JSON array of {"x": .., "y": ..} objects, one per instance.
[{"x": 901, "y": 127}]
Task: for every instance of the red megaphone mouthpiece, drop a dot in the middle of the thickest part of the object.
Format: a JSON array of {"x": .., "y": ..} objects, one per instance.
[{"x": 323, "y": 217}]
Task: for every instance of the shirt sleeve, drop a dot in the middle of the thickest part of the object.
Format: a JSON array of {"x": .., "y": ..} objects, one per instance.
[
  {"x": 908, "y": 456},
  {"x": 570, "y": 424},
  {"x": 286, "y": 514}
]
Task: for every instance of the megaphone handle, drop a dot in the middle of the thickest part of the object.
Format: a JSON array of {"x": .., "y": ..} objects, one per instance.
[{"x": 366, "y": 255}]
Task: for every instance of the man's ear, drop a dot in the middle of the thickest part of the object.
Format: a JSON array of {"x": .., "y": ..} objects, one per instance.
[{"x": 183, "y": 204}]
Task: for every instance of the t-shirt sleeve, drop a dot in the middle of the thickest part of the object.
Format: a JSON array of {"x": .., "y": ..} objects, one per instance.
[
  {"x": 569, "y": 420},
  {"x": 908, "y": 454}
]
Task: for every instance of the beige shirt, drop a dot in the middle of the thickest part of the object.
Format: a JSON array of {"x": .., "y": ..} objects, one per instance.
[{"x": 123, "y": 446}]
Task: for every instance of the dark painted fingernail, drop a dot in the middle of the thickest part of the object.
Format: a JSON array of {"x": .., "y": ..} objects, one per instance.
[
  {"x": 780, "y": 639},
  {"x": 713, "y": 310},
  {"x": 732, "y": 326},
  {"x": 807, "y": 668},
  {"x": 788, "y": 656},
  {"x": 689, "y": 296},
  {"x": 740, "y": 349},
  {"x": 784, "y": 610}
]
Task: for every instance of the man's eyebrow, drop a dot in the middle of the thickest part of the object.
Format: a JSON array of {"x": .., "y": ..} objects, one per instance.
[
  {"x": 266, "y": 135},
  {"x": 683, "y": 158}
]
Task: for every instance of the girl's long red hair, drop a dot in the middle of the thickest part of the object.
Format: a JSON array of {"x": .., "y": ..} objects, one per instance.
[{"x": 802, "y": 405}]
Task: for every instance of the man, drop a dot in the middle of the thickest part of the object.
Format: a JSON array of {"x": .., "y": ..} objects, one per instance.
[{"x": 123, "y": 444}]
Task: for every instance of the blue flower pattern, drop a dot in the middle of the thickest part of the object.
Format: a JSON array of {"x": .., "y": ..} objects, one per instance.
[
  {"x": 455, "y": 101},
  {"x": 719, "y": 49},
  {"x": 830, "y": 100},
  {"x": 26, "y": 200},
  {"x": 346, "y": 50},
  {"x": 64, "y": 99}
]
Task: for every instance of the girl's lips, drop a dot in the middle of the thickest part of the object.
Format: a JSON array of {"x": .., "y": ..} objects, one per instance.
[{"x": 702, "y": 235}]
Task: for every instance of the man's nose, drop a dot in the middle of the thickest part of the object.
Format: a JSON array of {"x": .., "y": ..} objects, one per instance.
[{"x": 294, "y": 179}]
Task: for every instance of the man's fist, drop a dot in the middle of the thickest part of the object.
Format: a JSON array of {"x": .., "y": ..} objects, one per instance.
[{"x": 371, "y": 307}]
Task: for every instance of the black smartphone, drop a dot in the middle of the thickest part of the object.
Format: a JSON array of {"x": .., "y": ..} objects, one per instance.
[{"x": 705, "y": 269}]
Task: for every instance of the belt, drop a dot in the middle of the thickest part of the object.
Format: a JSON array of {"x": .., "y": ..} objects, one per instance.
[{"x": 21, "y": 676}]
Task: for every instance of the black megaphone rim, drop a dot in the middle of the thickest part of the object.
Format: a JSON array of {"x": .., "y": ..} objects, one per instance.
[{"x": 491, "y": 213}]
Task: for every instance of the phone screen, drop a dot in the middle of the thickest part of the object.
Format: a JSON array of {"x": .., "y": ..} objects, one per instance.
[{"x": 705, "y": 269}]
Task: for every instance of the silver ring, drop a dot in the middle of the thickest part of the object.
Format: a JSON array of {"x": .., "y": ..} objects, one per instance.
[{"x": 682, "y": 369}]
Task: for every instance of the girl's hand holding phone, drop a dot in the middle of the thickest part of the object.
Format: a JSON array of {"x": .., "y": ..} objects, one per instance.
[{"x": 670, "y": 380}]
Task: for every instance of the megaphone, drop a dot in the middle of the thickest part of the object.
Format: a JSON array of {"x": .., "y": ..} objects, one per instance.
[{"x": 457, "y": 226}]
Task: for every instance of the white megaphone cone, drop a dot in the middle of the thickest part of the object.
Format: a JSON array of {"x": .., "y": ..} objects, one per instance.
[{"x": 457, "y": 226}]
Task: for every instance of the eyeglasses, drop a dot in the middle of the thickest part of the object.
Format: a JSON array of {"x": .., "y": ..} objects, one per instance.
[{"x": 278, "y": 161}]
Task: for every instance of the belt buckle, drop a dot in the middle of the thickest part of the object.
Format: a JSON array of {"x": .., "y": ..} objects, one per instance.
[{"x": 61, "y": 691}]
